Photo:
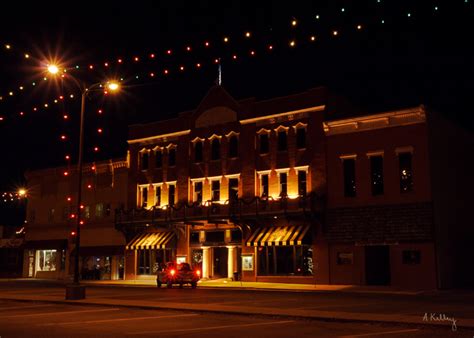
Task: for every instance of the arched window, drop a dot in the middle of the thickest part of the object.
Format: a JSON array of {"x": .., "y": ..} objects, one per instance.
[
  {"x": 233, "y": 146},
  {"x": 215, "y": 149},
  {"x": 198, "y": 152}
]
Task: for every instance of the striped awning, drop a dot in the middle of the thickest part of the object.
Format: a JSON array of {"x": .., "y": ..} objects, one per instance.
[
  {"x": 285, "y": 235},
  {"x": 151, "y": 240}
]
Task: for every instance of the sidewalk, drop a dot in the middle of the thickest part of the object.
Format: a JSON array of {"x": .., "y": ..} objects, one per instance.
[
  {"x": 109, "y": 297},
  {"x": 261, "y": 286}
]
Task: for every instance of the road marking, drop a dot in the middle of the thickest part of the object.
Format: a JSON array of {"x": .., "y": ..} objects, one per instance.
[
  {"x": 210, "y": 328},
  {"x": 378, "y": 333},
  {"x": 120, "y": 319},
  {"x": 25, "y": 307},
  {"x": 58, "y": 313}
]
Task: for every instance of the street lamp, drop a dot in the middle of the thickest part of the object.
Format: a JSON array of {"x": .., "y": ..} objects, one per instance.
[{"x": 75, "y": 290}]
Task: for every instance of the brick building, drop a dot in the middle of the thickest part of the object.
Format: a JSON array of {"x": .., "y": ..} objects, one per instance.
[
  {"x": 49, "y": 248},
  {"x": 287, "y": 190}
]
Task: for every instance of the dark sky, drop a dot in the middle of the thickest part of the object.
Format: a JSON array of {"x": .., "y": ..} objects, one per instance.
[{"x": 426, "y": 57}]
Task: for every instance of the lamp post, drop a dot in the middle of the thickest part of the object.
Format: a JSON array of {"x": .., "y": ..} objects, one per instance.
[{"x": 76, "y": 291}]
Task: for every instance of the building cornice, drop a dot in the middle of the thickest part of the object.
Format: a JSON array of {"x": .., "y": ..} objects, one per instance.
[
  {"x": 288, "y": 113},
  {"x": 157, "y": 137},
  {"x": 395, "y": 118}
]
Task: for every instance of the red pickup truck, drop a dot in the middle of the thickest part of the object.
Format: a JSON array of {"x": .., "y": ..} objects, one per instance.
[{"x": 178, "y": 274}]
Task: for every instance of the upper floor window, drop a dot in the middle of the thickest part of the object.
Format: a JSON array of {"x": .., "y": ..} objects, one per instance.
[
  {"x": 282, "y": 140},
  {"x": 349, "y": 177},
  {"x": 158, "y": 159},
  {"x": 143, "y": 195},
  {"x": 171, "y": 157},
  {"x": 301, "y": 182},
  {"x": 376, "y": 174},
  {"x": 406, "y": 180},
  {"x": 51, "y": 215},
  {"x": 264, "y": 143},
  {"x": 215, "y": 190},
  {"x": 264, "y": 185},
  {"x": 233, "y": 189},
  {"x": 215, "y": 149},
  {"x": 171, "y": 194},
  {"x": 301, "y": 138},
  {"x": 144, "y": 160},
  {"x": 99, "y": 210},
  {"x": 283, "y": 184},
  {"x": 233, "y": 146},
  {"x": 198, "y": 192},
  {"x": 198, "y": 152}
]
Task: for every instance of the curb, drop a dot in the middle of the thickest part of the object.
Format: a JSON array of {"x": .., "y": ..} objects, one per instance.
[{"x": 326, "y": 318}]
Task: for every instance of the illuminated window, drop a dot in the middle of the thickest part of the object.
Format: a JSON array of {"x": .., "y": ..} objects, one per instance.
[
  {"x": 46, "y": 260},
  {"x": 144, "y": 160},
  {"x": 233, "y": 146},
  {"x": 215, "y": 149},
  {"x": 99, "y": 210},
  {"x": 233, "y": 189},
  {"x": 215, "y": 190},
  {"x": 406, "y": 180},
  {"x": 302, "y": 182},
  {"x": 376, "y": 174},
  {"x": 264, "y": 144},
  {"x": 198, "y": 192},
  {"x": 158, "y": 159},
  {"x": 171, "y": 194},
  {"x": 349, "y": 177},
  {"x": 282, "y": 140},
  {"x": 157, "y": 195},
  {"x": 171, "y": 157},
  {"x": 283, "y": 185},
  {"x": 301, "y": 138},
  {"x": 143, "y": 197},
  {"x": 198, "y": 152},
  {"x": 87, "y": 212},
  {"x": 264, "y": 185}
]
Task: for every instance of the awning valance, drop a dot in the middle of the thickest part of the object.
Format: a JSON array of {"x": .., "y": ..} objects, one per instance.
[
  {"x": 284, "y": 235},
  {"x": 151, "y": 240}
]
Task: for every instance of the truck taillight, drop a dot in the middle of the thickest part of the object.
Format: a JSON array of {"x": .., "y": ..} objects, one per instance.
[
  {"x": 172, "y": 272},
  {"x": 198, "y": 272}
]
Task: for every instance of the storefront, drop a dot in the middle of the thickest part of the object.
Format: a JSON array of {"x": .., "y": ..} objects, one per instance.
[
  {"x": 100, "y": 262},
  {"x": 280, "y": 254},
  {"x": 216, "y": 251},
  {"x": 45, "y": 259},
  {"x": 147, "y": 251}
]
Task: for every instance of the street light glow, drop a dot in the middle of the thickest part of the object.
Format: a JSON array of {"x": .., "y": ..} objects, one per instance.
[
  {"x": 53, "y": 69},
  {"x": 113, "y": 86},
  {"x": 22, "y": 192}
]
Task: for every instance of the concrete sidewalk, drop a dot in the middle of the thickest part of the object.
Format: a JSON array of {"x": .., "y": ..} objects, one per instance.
[
  {"x": 97, "y": 297},
  {"x": 262, "y": 286}
]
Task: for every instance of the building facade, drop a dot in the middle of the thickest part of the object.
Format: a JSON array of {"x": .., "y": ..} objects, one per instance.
[
  {"x": 275, "y": 191},
  {"x": 51, "y": 222}
]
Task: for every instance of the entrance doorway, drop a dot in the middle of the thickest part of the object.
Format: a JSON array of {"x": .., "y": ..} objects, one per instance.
[
  {"x": 219, "y": 266},
  {"x": 377, "y": 265}
]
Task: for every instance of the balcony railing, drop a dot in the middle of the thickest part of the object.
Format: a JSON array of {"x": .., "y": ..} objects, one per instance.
[{"x": 241, "y": 208}]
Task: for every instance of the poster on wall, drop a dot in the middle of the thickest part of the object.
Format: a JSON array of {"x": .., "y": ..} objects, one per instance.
[
  {"x": 247, "y": 262},
  {"x": 180, "y": 259}
]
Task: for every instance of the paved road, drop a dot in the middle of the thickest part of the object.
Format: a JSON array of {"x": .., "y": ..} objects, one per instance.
[
  {"x": 457, "y": 305},
  {"x": 28, "y": 319}
]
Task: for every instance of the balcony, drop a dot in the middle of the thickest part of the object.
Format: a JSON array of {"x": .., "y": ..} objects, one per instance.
[{"x": 240, "y": 210}]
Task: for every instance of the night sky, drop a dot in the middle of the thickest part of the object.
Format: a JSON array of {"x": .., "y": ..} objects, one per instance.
[{"x": 422, "y": 53}]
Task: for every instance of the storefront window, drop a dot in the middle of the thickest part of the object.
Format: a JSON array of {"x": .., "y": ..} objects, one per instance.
[
  {"x": 285, "y": 260},
  {"x": 46, "y": 260},
  {"x": 150, "y": 260}
]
